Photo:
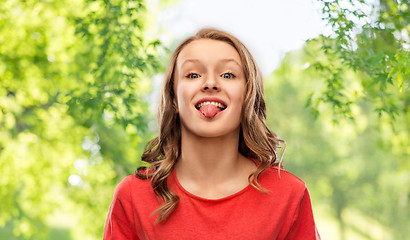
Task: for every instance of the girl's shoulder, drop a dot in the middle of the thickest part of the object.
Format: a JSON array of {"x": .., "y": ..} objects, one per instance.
[
  {"x": 286, "y": 175},
  {"x": 275, "y": 175},
  {"x": 132, "y": 185},
  {"x": 279, "y": 179}
]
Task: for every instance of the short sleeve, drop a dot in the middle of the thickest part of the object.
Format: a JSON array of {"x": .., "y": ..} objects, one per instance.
[
  {"x": 119, "y": 223},
  {"x": 304, "y": 226}
]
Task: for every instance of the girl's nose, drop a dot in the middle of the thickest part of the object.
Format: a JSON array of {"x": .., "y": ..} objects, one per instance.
[{"x": 211, "y": 84}]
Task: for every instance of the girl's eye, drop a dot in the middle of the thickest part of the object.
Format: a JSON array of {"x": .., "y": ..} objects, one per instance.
[
  {"x": 193, "y": 75},
  {"x": 228, "y": 75}
]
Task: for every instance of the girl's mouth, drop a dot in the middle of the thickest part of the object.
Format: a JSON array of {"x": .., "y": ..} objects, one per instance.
[{"x": 210, "y": 109}]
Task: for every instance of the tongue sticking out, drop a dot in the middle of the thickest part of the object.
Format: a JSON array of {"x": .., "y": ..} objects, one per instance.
[{"x": 209, "y": 110}]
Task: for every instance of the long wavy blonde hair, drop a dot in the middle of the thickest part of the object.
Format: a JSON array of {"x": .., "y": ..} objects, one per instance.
[{"x": 256, "y": 140}]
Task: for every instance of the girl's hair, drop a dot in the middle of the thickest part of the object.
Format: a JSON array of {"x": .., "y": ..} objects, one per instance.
[{"x": 256, "y": 140}]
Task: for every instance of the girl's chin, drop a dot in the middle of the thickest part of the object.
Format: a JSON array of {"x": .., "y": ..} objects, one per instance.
[{"x": 212, "y": 131}]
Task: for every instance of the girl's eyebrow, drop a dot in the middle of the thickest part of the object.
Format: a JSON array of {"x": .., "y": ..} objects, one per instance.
[
  {"x": 222, "y": 61},
  {"x": 190, "y": 60},
  {"x": 231, "y": 60}
]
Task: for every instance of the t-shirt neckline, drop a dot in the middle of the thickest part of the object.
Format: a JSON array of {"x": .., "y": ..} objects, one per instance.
[{"x": 193, "y": 196}]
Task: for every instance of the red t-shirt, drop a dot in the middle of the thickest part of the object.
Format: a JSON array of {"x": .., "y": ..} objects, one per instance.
[{"x": 284, "y": 213}]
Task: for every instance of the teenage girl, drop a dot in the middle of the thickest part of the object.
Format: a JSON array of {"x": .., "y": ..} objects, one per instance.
[{"x": 213, "y": 170}]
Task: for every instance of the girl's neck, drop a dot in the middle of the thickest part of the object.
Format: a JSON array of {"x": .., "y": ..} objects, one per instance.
[
  {"x": 208, "y": 163},
  {"x": 209, "y": 154}
]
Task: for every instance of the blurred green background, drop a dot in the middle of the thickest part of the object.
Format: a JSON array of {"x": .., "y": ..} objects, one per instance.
[{"x": 76, "y": 83}]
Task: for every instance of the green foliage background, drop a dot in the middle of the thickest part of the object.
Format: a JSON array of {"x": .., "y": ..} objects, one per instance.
[
  {"x": 74, "y": 83},
  {"x": 74, "y": 76}
]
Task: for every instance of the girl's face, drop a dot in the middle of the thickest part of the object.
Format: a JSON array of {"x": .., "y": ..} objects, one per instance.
[{"x": 210, "y": 88}]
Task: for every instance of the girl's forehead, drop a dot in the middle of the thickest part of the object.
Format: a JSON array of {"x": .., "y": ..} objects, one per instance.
[{"x": 208, "y": 50}]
